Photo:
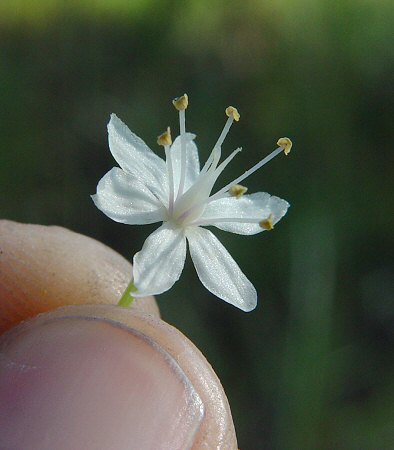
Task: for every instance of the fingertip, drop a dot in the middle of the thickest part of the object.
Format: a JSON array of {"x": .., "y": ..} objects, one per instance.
[
  {"x": 78, "y": 383},
  {"x": 44, "y": 267},
  {"x": 112, "y": 376}
]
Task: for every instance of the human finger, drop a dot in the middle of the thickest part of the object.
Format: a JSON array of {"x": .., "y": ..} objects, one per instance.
[
  {"x": 44, "y": 267},
  {"x": 102, "y": 377}
]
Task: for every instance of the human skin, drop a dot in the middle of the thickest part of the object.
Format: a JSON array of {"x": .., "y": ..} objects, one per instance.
[{"x": 81, "y": 372}]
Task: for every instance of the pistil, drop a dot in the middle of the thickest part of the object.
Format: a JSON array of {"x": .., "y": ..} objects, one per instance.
[{"x": 206, "y": 184}]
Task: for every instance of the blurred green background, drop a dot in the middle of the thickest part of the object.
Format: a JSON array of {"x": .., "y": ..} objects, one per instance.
[{"x": 313, "y": 366}]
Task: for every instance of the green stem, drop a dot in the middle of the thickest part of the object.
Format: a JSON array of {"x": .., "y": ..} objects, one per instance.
[{"x": 127, "y": 299}]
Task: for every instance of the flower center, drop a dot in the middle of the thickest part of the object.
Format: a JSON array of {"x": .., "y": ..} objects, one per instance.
[{"x": 186, "y": 207}]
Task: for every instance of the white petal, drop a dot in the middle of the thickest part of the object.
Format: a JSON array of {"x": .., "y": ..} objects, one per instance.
[
  {"x": 217, "y": 270},
  {"x": 124, "y": 199},
  {"x": 160, "y": 262},
  {"x": 136, "y": 158},
  {"x": 192, "y": 160},
  {"x": 259, "y": 206}
]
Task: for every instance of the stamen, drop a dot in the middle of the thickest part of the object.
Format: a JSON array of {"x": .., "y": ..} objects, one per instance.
[
  {"x": 232, "y": 115},
  {"x": 268, "y": 223},
  {"x": 165, "y": 140},
  {"x": 286, "y": 144},
  {"x": 181, "y": 104},
  {"x": 233, "y": 112},
  {"x": 215, "y": 220},
  {"x": 238, "y": 190},
  {"x": 249, "y": 172},
  {"x": 170, "y": 172}
]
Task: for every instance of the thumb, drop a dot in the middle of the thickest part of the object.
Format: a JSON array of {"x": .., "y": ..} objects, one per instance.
[{"x": 95, "y": 377}]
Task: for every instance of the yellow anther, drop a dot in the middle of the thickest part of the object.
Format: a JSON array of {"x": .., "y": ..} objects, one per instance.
[
  {"x": 267, "y": 224},
  {"x": 165, "y": 138},
  {"x": 286, "y": 144},
  {"x": 181, "y": 103},
  {"x": 233, "y": 113},
  {"x": 237, "y": 190}
]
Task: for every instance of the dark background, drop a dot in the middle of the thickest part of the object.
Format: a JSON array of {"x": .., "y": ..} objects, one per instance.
[{"x": 312, "y": 367}]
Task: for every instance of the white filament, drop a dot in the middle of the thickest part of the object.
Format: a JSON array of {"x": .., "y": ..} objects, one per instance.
[
  {"x": 170, "y": 172},
  {"x": 225, "y": 220},
  {"x": 182, "y": 128},
  {"x": 246, "y": 174},
  {"x": 224, "y": 132}
]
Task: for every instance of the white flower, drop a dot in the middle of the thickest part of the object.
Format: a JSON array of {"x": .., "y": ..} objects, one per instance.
[{"x": 147, "y": 189}]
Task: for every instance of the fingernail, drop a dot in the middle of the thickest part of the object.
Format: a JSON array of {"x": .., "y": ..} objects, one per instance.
[{"x": 79, "y": 383}]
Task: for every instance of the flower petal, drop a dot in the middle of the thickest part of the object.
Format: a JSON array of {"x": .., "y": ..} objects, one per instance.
[
  {"x": 259, "y": 206},
  {"x": 137, "y": 159},
  {"x": 160, "y": 262},
  {"x": 217, "y": 270},
  {"x": 192, "y": 160},
  {"x": 125, "y": 199}
]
